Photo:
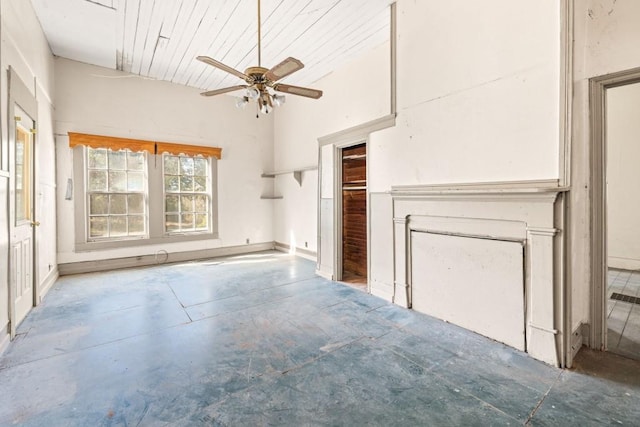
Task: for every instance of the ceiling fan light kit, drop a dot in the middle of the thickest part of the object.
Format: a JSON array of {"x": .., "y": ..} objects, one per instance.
[
  {"x": 259, "y": 80},
  {"x": 242, "y": 102},
  {"x": 278, "y": 100}
]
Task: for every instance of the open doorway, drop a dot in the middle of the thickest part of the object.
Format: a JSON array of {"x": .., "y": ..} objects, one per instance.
[
  {"x": 354, "y": 214},
  {"x": 622, "y": 199}
]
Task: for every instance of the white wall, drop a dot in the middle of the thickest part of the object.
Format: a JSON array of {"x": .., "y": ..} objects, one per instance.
[
  {"x": 478, "y": 91},
  {"x": 101, "y": 101},
  {"x": 26, "y": 50},
  {"x": 606, "y": 35},
  {"x": 357, "y": 93},
  {"x": 623, "y": 176}
]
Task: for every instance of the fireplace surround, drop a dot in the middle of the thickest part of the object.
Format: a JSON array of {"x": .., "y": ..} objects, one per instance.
[{"x": 488, "y": 257}]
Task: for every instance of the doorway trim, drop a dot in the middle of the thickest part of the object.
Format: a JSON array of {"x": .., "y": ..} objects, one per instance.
[
  {"x": 20, "y": 95},
  {"x": 330, "y": 266},
  {"x": 338, "y": 206},
  {"x": 598, "y": 162}
]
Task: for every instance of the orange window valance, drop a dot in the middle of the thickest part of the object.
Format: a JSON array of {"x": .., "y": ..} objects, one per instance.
[
  {"x": 153, "y": 147},
  {"x": 189, "y": 150}
]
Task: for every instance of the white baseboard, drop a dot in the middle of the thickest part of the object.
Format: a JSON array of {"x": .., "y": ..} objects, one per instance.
[
  {"x": 146, "y": 260},
  {"x": 324, "y": 274},
  {"x": 5, "y": 339},
  {"x": 623, "y": 263},
  {"x": 47, "y": 283},
  {"x": 577, "y": 341},
  {"x": 301, "y": 252},
  {"x": 585, "y": 330},
  {"x": 380, "y": 291}
]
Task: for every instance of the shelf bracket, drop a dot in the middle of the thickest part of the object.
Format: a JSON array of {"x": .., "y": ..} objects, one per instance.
[{"x": 297, "y": 173}]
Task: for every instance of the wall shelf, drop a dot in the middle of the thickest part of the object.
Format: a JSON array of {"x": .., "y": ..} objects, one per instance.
[{"x": 297, "y": 173}]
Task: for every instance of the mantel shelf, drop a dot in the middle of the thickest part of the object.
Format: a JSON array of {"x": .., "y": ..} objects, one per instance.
[{"x": 297, "y": 173}]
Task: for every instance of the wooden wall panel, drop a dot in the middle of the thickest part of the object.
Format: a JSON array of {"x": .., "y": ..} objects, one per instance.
[
  {"x": 354, "y": 232},
  {"x": 354, "y": 212},
  {"x": 355, "y": 174}
]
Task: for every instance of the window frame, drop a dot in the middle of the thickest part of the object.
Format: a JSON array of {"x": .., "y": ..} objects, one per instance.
[
  {"x": 207, "y": 193},
  {"x": 155, "y": 234},
  {"x": 144, "y": 192}
]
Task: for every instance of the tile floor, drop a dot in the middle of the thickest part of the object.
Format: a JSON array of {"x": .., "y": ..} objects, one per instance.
[
  {"x": 623, "y": 318},
  {"x": 260, "y": 340}
]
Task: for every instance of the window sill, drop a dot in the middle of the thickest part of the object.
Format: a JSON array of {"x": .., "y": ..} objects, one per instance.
[{"x": 129, "y": 243}]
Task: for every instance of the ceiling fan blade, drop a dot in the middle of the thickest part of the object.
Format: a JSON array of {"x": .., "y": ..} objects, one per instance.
[
  {"x": 283, "y": 69},
  {"x": 222, "y": 66},
  {"x": 297, "y": 90},
  {"x": 224, "y": 90}
]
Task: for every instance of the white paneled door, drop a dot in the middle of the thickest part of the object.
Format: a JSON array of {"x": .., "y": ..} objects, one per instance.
[{"x": 22, "y": 221}]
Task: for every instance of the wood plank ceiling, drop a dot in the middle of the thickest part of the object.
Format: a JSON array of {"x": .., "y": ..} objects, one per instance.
[{"x": 160, "y": 39}]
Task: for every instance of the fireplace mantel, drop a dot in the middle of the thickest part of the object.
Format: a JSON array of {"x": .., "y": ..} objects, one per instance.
[{"x": 528, "y": 212}]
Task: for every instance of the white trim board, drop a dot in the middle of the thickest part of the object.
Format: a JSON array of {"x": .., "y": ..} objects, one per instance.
[
  {"x": 566, "y": 89},
  {"x": 577, "y": 341},
  {"x": 383, "y": 291},
  {"x": 4, "y": 342},
  {"x": 623, "y": 263},
  {"x": 325, "y": 275},
  {"x": 301, "y": 252},
  {"x": 596, "y": 176},
  {"x": 48, "y": 283},
  {"x": 528, "y": 186},
  {"x": 149, "y": 260},
  {"x": 358, "y": 132}
]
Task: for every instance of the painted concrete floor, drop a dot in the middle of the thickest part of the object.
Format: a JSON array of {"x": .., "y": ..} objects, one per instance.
[
  {"x": 623, "y": 318},
  {"x": 260, "y": 340}
]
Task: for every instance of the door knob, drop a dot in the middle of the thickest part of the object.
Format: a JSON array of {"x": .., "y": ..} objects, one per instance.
[{"x": 35, "y": 223}]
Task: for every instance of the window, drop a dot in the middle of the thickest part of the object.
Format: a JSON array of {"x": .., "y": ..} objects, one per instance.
[
  {"x": 116, "y": 194},
  {"x": 23, "y": 161},
  {"x": 130, "y": 192},
  {"x": 187, "y": 195}
]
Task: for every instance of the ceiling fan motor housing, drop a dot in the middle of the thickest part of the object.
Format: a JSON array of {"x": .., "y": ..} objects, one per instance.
[
  {"x": 256, "y": 74},
  {"x": 259, "y": 79}
]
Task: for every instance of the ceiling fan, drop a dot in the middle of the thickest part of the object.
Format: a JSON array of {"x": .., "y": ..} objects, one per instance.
[{"x": 259, "y": 79}]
